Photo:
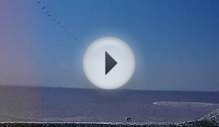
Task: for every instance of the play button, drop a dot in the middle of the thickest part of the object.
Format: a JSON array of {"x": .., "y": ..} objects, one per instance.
[{"x": 108, "y": 63}]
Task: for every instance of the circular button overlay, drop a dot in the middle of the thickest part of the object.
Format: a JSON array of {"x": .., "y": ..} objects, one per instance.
[{"x": 109, "y": 63}]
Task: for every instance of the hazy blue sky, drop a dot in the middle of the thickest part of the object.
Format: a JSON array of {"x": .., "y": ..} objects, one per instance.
[{"x": 176, "y": 42}]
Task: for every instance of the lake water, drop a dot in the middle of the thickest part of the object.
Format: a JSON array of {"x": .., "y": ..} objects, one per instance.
[{"x": 88, "y": 105}]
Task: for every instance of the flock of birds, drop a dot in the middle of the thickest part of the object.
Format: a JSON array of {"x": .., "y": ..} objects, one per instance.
[{"x": 43, "y": 5}]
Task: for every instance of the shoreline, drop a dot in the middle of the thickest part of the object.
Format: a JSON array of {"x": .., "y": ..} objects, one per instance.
[{"x": 202, "y": 123}]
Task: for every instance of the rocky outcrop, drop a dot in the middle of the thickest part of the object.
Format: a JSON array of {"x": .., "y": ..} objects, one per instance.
[{"x": 213, "y": 116}]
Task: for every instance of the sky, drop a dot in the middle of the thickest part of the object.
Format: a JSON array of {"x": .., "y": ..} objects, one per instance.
[{"x": 176, "y": 42}]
